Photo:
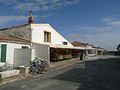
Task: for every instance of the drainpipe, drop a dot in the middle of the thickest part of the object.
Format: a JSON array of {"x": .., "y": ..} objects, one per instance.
[
  {"x": 30, "y": 35},
  {"x": 31, "y": 45}
]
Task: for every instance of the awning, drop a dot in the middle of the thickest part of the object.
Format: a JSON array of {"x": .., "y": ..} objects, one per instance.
[{"x": 65, "y": 46}]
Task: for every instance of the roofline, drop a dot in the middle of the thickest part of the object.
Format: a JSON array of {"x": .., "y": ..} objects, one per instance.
[
  {"x": 39, "y": 43},
  {"x": 28, "y": 42},
  {"x": 37, "y": 24},
  {"x": 11, "y": 27},
  {"x": 15, "y": 42}
]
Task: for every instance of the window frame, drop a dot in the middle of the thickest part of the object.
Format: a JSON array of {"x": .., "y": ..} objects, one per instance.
[{"x": 47, "y": 36}]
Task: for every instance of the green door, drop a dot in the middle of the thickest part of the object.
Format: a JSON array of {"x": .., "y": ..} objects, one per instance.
[{"x": 3, "y": 52}]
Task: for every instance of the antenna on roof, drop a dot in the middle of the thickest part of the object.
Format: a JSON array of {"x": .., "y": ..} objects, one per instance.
[{"x": 30, "y": 18}]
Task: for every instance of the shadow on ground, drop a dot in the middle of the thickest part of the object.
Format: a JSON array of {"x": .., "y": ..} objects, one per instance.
[{"x": 101, "y": 74}]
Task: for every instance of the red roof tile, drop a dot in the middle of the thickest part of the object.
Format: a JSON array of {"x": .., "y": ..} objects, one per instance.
[{"x": 9, "y": 38}]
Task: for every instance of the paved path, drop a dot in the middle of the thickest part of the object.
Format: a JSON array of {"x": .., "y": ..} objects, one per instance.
[{"x": 99, "y": 74}]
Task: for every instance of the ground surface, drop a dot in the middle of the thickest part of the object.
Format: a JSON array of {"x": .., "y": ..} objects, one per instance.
[{"x": 97, "y": 74}]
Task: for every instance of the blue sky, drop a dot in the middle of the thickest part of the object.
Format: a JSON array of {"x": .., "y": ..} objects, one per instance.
[{"x": 91, "y": 21}]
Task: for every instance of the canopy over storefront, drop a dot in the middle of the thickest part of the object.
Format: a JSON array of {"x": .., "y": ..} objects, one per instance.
[{"x": 65, "y": 47}]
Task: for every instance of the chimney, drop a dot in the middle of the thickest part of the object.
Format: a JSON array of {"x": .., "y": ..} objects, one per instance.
[{"x": 30, "y": 18}]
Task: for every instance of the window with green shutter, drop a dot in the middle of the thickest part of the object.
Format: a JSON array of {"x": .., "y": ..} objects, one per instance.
[{"x": 3, "y": 52}]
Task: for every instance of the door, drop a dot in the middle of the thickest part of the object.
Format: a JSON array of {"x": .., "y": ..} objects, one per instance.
[{"x": 3, "y": 52}]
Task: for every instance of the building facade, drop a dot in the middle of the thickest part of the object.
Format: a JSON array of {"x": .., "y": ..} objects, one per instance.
[
  {"x": 8, "y": 45},
  {"x": 41, "y": 37}
]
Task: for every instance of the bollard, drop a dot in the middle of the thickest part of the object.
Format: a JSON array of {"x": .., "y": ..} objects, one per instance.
[{"x": 81, "y": 57}]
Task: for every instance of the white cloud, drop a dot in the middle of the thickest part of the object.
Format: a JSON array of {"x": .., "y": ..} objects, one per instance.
[
  {"x": 107, "y": 36},
  {"x": 47, "y": 15},
  {"x": 6, "y": 19},
  {"x": 108, "y": 40},
  {"x": 117, "y": 23},
  {"x": 37, "y": 5},
  {"x": 112, "y": 20}
]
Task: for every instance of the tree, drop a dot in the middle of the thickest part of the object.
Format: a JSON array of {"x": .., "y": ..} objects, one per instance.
[{"x": 118, "y": 47}]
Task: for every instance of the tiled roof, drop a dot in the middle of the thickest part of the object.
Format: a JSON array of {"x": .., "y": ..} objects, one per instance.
[
  {"x": 17, "y": 26},
  {"x": 75, "y": 43},
  {"x": 9, "y": 38}
]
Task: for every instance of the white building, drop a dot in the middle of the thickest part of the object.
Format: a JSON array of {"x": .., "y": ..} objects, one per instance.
[
  {"x": 8, "y": 45},
  {"x": 46, "y": 34},
  {"x": 90, "y": 50},
  {"x": 41, "y": 37},
  {"x": 37, "y": 33}
]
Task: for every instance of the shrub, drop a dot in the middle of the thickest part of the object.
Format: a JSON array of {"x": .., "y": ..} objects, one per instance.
[{"x": 38, "y": 66}]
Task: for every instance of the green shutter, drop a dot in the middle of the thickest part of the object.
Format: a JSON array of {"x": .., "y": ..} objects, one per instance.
[{"x": 3, "y": 52}]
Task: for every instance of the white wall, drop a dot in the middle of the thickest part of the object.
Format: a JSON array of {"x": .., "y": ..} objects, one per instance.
[
  {"x": 38, "y": 34},
  {"x": 10, "y": 51},
  {"x": 23, "y": 57},
  {"x": 42, "y": 51},
  {"x": 93, "y": 52}
]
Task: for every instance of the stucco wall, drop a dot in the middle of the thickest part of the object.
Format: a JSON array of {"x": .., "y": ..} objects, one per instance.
[
  {"x": 23, "y": 57},
  {"x": 91, "y": 52},
  {"x": 10, "y": 51},
  {"x": 42, "y": 51},
  {"x": 38, "y": 34}
]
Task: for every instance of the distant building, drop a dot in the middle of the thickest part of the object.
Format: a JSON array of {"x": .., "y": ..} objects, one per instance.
[{"x": 90, "y": 50}]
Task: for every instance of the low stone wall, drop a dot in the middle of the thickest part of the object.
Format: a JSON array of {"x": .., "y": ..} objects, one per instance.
[
  {"x": 24, "y": 69},
  {"x": 2, "y": 64},
  {"x": 6, "y": 74}
]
